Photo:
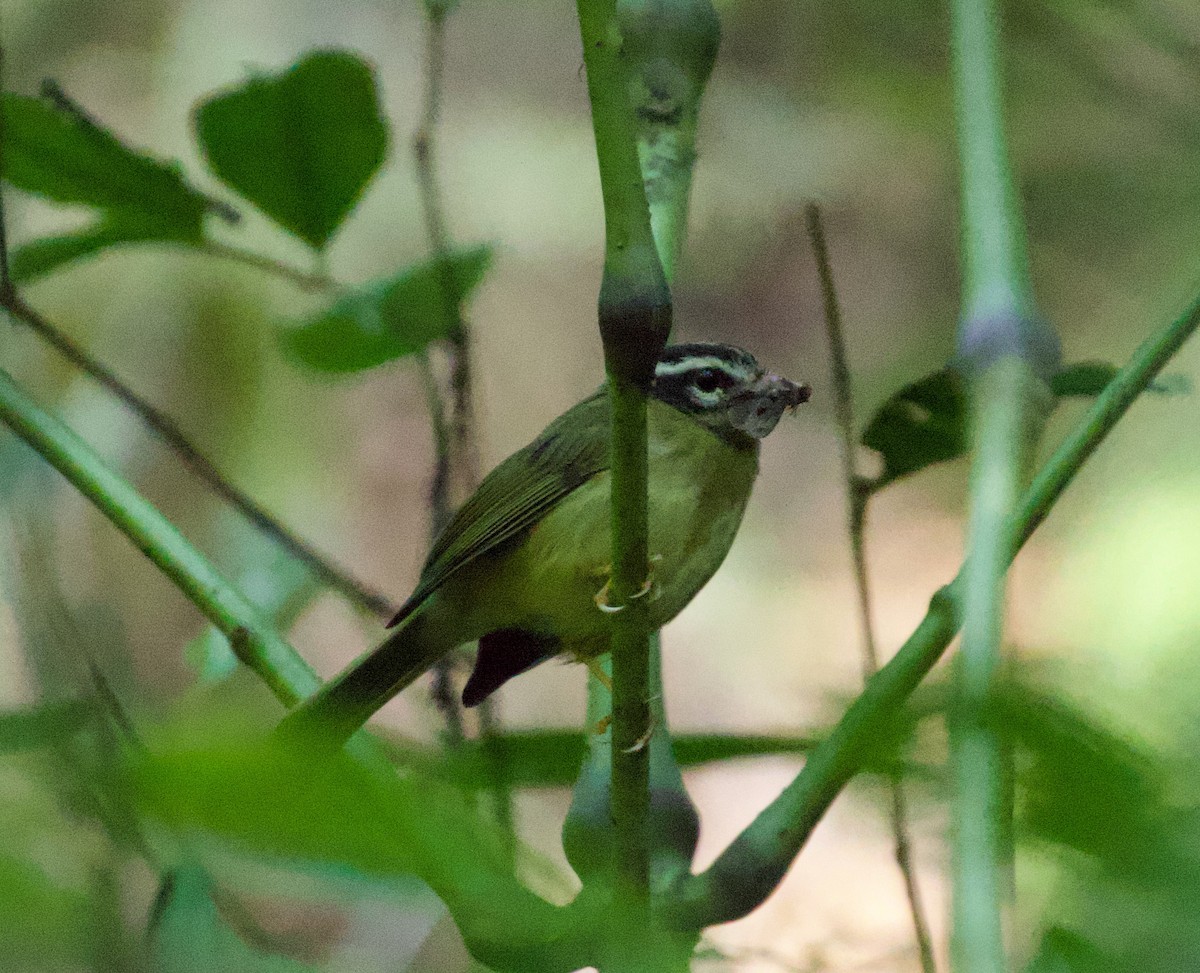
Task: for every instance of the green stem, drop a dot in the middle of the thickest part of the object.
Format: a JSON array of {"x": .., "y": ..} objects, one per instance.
[
  {"x": 256, "y": 642},
  {"x": 1009, "y": 353},
  {"x": 635, "y": 319},
  {"x": 754, "y": 864},
  {"x": 630, "y": 646},
  {"x": 995, "y": 262}
]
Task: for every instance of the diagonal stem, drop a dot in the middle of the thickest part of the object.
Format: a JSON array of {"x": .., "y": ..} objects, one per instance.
[{"x": 753, "y": 865}]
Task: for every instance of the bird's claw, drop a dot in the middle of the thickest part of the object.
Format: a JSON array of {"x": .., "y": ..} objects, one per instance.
[
  {"x": 649, "y": 590},
  {"x": 640, "y": 743}
]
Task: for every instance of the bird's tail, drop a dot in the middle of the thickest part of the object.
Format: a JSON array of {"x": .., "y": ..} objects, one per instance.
[{"x": 347, "y": 701}]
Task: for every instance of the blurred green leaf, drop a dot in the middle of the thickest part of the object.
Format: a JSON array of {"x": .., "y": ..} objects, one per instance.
[
  {"x": 302, "y": 144},
  {"x": 1063, "y": 951},
  {"x": 59, "y": 153},
  {"x": 190, "y": 936},
  {"x": 40, "y": 257},
  {"x": 387, "y": 319},
  {"x": 1082, "y": 784},
  {"x": 922, "y": 424},
  {"x": 44, "y": 926},
  {"x": 283, "y": 803},
  {"x": 43, "y": 725},
  {"x": 925, "y": 423},
  {"x": 552, "y": 758},
  {"x": 1087, "y": 379}
]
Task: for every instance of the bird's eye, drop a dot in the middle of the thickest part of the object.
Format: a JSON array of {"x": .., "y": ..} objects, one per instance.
[{"x": 708, "y": 380}]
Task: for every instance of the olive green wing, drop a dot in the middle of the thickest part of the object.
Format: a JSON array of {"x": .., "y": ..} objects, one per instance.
[{"x": 520, "y": 492}]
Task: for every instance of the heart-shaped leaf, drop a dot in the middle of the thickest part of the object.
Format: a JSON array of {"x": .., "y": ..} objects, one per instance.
[
  {"x": 388, "y": 319},
  {"x": 301, "y": 145}
]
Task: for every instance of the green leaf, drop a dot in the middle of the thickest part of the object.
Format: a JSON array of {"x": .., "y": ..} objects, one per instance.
[
  {"x": 552, "y": 758},
  {"x": 190, "y": 936},
  {"x": 45, "y": 926},
  {"x": 1064, "y": 951},
  {"x": 286, "y": 804},
  {"x": 1088, "y": 379},
  {"x": 926, "y": 422},
  {"x": 42, "y": 726},
  {"x": 300, "y": 145},
  {"x": 58, "y": 152},
  {"x": 387, "y": 319},
  {"x": 40, "y": 257},
  {"x": 922, "y": 424}
]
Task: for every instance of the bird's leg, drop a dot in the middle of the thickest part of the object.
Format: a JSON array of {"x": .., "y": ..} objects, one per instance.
[
  {"x": 649, "y": 587},
  {"x": 602, "y": 677},
  {"x": 598, "y": 673}
]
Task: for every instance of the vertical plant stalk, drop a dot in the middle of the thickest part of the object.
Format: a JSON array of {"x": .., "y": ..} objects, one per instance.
[
  {"x": 450, "y": 421},
  {"x": 668, "y": 48},
  {"x": 1009, "y": 354},
  {"x": 858, "y": 496},
  {"x": 635, "y": 319},
  {"x": 7, "y": 291}
]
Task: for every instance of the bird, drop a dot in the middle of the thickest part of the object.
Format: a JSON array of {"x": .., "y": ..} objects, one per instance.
[{"x": 522, "y": 566}]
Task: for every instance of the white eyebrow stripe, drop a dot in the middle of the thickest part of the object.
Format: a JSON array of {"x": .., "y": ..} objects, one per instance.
[{"x": 695, "y": 364}]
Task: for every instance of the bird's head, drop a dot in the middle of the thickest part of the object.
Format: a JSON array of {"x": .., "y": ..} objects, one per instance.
[{"x": 724, "y": 389}]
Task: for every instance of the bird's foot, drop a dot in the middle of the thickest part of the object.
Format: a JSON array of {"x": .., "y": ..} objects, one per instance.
[{"x": 648, "y": 590}]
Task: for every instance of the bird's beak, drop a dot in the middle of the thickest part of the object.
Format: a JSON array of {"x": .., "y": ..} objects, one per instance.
[{"x": 757, "y": 410}]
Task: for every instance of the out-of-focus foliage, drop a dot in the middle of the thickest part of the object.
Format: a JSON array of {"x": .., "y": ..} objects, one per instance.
[
  {"x": 40, "y": 726},
  {"x": 301, "y": 145},
  {"x": 922, "y": 424},
  {"x": 925, "y": 423},
  {"x": 1087, "y": 379},
  {"x": 45, "y": 926},
  {"x": 188, "y": 934},
  {"x": 388, "y": 319}
]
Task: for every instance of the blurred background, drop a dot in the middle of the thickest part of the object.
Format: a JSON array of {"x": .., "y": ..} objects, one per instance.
[{"x": 846, "y": 104}]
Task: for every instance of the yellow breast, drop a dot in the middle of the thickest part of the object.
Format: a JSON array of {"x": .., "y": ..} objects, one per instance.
[{"x": 699, "y": 486}]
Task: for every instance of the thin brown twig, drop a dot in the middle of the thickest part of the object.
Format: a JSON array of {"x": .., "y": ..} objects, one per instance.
[
  {"x": 305, "y": 280},
  {"x": 858, "y": 496},
  {"x": 450, "y": 426}
]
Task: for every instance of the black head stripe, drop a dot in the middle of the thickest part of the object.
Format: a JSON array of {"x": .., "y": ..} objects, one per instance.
[{"x": 692, "y": 376}]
